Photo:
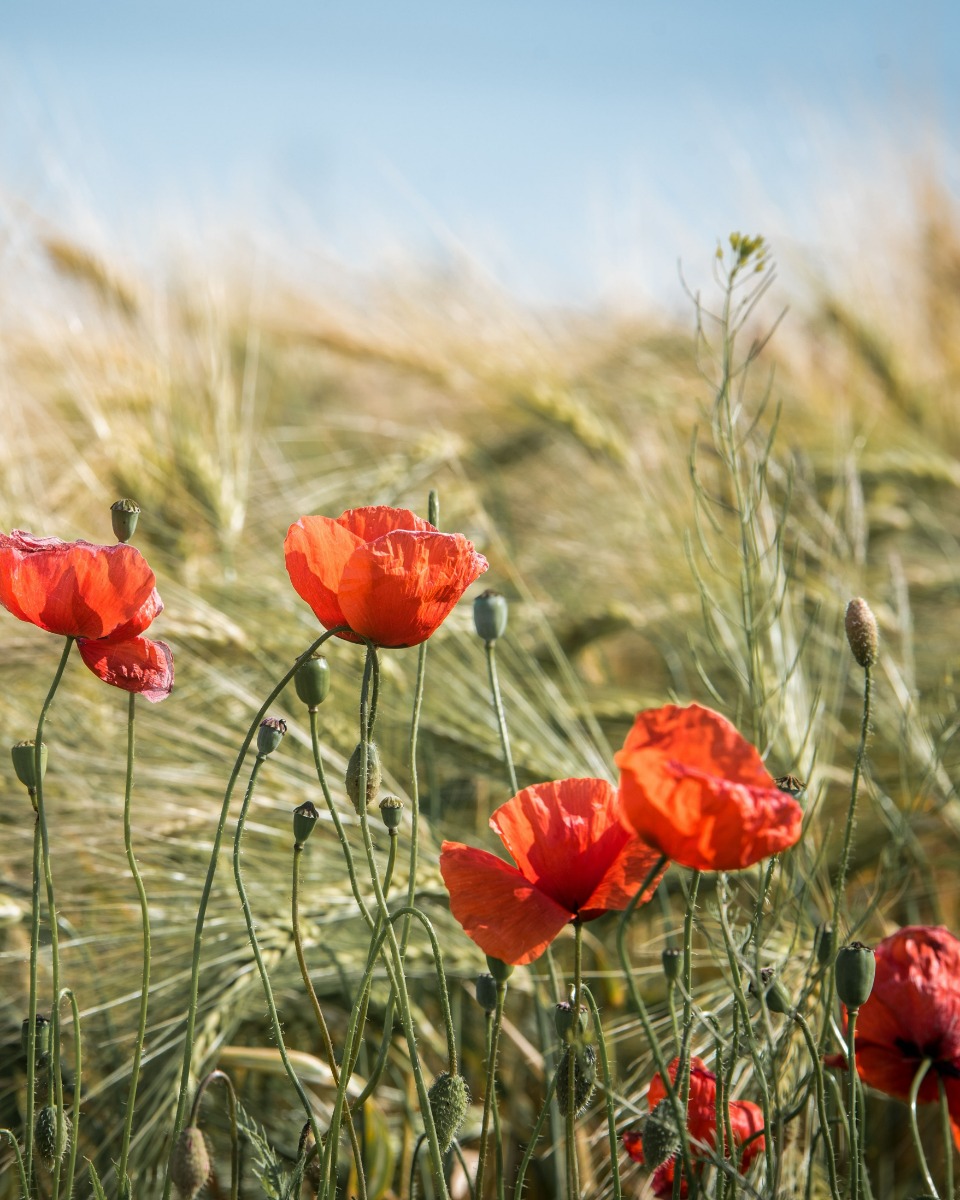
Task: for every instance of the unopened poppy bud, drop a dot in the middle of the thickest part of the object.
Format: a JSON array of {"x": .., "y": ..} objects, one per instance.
[
  {"x": 190, "y": 1162},
  {"x": 45, "y": 1136},
  {"x": 312, "y": 681},
  {"x": 862, "y": 634},
  {"x": 487, "y": 992},
  {"x": 25, "y": 762},
  {"x": 584, "y": 1079},
  {"x": 856, "y": 967},
  {"x": 778, "y": 998},
  {"x": 672, "y": 960},
  {"x": 124, "y": 515},
  {"x": 490, "y": 616},
  {"x": 391, "y": 810},
  {"x": 352, "y": 781},
  {"x": 449, "y": 1099},
  {"x": 500, "y": 970},
  {"x": 660, "y": 1137},
  {"x": 305, "y": 817},
  {"x": 567, "y": 1025},
  {"x": 825, "y": 943},
  {"x": 270, "y": 735},
  {"x": 41, "y": 1045}
]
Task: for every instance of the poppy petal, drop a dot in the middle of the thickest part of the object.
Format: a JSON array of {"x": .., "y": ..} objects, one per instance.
[
  {"x": 134, "y": 664},
  {"x": 316, "y": 550},
  {"x": 398, "y": 589},
  {"x": 507, "y": 916},
  {"x": 625, "y": 874},
  {"x": 375, "y": 520}
]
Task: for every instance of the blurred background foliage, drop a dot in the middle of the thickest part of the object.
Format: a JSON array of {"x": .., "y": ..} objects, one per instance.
[{"x": 581, "y": 453}]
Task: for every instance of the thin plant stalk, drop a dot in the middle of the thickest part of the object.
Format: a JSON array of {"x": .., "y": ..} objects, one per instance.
[
  {"x": 77, "y": 1092},
  {"x": 607, "y": 1095},
  {"x": 490, "y": 1086},
  {"x": 945, "y": 1127},
  {"x": 817, "y": 1067},
  {"x": 915, "y": 1129},
  {"x": 21, "y": 1169},
  {"x": 222, "y": 1077},
  {"x": 32, "y": 1010},
  {"x": 572, "y": 1165},
  {"x": 534, "y": 1138},
  {"x": 491, "y": 650},
  {"x": 856, "y": 1118}
]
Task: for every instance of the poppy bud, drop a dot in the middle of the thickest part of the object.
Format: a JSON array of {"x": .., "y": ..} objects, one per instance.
[
  {"x": 352, "y": 781},
  {"x": 778, "y": 998},
  {"x": 45, "y": 1136},
  {"x": 500, "y": 970},
  {"x": 672, "y": 960},
  {"x": 565, "y": 1021},
  {"x": 825, "y": 943},
  {"x": 312, "y": 681},
  {"x": 660, "y": 1137},
  {"x": 391, "y": 810},
  {"x": 487, "y": 992},
  {"x": 304, "y": 819},
  {"x": 856, "y": 967},
  {"x": 584, "y": 1079},
  {"x": 449, "y": 1099},
  {"x": 24, "y": 762},
  {"x": 861, "y": 627},
  {"x": 124, "y": 515},
  {"x": 270, "y": 735},
  {"x": 490, "y": 616},
  {"x": 41, "y": 1045},
  {"x": 190, "y": 1162}
]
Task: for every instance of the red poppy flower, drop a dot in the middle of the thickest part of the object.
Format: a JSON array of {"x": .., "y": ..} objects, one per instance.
[
  {"x": 913, "y": 1013},
  {"x": 384, "y": 572},
  {"x": 695, "y": 789},
  {"x": 104, "y": 596},
  {"x": 575, "y": 858},
  {"x": 746, "y": 1121}
]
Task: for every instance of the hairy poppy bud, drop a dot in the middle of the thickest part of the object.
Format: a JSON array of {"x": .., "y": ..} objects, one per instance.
[
  {"x": 825, "y": 943},
  {"x": 352, "y": 781},
  {"x": 862, "y": 634},
  {"x": 270, "y": 735},
  {"x": 190, "y": 1162},
  {"x": 449, "y": 1099},
  {"x": 567, "y": 1025},
  {"x": 661, "y": 1139},
  {"x": 856, "y": 967},
  {"x": 41, "y": 1045},
  {"x": 672, "y": 960},
  {"x": 584, "y": 1079},
  {"x": 391, "y": 810},
  {"x": 490, "y": 616},
  {"x": 124, "y": 515},
  {"x": 305, "y": 817},
  {"x": 25, "y": 762},
  {"x": 45, "y": 1136},
  {"x": 500, "y": 970},
  {"x": 487, "y": 992},
  {"x": 312, "y": 681}
]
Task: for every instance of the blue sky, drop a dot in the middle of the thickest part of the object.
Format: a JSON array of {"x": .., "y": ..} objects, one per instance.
[{"x": 571, "y": 148}]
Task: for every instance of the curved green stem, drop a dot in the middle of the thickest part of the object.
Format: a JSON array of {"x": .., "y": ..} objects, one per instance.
[
  {"x": 491, "y": 649},
  {"x": 490, "y": 1087},
  {"x": 817, "y": 1066},
  {"x": 224, "y": 1078},
  {"x": 914, "y": 1128},
  {"x": 414, "y": 792},
  {"x": 32, "y": 1010},
  {"x": 21, "y": 1169}
]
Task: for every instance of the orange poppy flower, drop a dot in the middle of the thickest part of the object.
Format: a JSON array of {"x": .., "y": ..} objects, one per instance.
[
  {"x": 384, "y": 572},
  {"x": 696, "y": 790},
  {"x": 913, "y": 1013},
  {"x": 746, "y": 1121},
  {"x": 104, "y": 596},
  {"x": 574, "y": 857}
]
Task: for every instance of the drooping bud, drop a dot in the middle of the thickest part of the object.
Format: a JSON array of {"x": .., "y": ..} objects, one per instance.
[
  {"x": 487, "y": 992},
  {"x": 270, "y": 735},
  {"x": 352, "y": 781},
  {"x": 490, "y": 616},
  {"x": 856, "y": 968},
  {"x": 672, "y": 960},
  {"x": 391, "y": 810},
  {"x": 584, "y": 1079},
  {"x": 568, "y": 1027},
  {"x": 25, "y": 762},
  {"x": 312, "y": 681},
  {"x": 305, "y": 818},
  {"x": 500, "y": 970},
  {"x": 124, "y": 515},
  {"x": 825, "y": 943},
  {"x": 190, "y": 1162},
  {"x": 862, "y": 633},
  {"x": 449, "y": 1099},
  {"x": 661, "y": 1139},
  {"x": 41, "y": 1045},
  {"x": 45, "y": 1136}
]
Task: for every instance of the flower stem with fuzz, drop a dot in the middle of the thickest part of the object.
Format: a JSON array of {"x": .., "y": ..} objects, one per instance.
[
  {"x": 32, "y": 1009},
  {"x": 491, "y": 650},
  {"x": 914, "y": 1128},
  {"x": 817, "y": 1067},
  {"x": 77, "y": 1092},
  {"x": 607, "y": 1094},
  {"x": 489, "y": 1095},
  {"x": 21, "y": 1170},
  {"x": 856, "y": 1120}
]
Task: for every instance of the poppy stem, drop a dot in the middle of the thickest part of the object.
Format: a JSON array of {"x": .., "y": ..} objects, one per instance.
[
  {"x": 491, "y": 649},
  {"x": 77, "y": 1090},
  {"x": 947, "y": 1137},
  {"x": 145, "y": 925},
  {"x": 414, "y": 787},
  {"x": 607, "y": 1095},
  {"x": 490, "y": 1086},
  {"x": 219, "y": 1076},
  {"x": 32, "y": 1009},
  {"x": 534, "y": 1138},
  {"x": 825, "y": 1133},
  {"x": 914, "y": 1128},
  {"x": 856, "y": 1134},
  {"x": 24, "y": 1190}
]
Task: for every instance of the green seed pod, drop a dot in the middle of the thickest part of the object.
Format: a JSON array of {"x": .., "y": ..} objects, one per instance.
[
  {"x": 487, "y": 992},
  {"x": 190, "y": 1162},
  {"x": 45, "y": 1136},
  {"x": 24, "y": 762},
  {"x": 500, "y": 970},
  {"x": 270, "y": 735},
  {"x": 352, "y": 780},
  {"x": 124, "y": 515},
  {"x": 825, "y": 943},
  {"x": 41, "y": 1045},
  {"x": 567, "y": 1026},
  {"x": 584, "y": 1079},
  {"x": 391, "y": 810},
  {"x": 672, "y": 960},
  {"x": 862, "y": 632},
  {"x": 856, "y": 967},
  {"x": 312, "y": 681},
  {"x": 778, "y": 998},
  {"x": 660, "y": 1137},
  {"x": 449, "y": 1099},
  {"x": 490, "y": 616},
  {"x": 305, "y": 818}
]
